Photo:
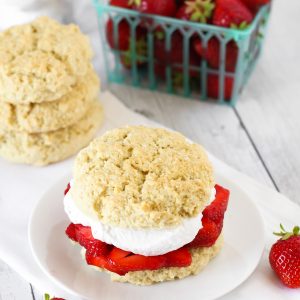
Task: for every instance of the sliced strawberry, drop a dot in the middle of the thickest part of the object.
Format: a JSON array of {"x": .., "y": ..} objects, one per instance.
[
  {"x": 67, "y": 189},
  {"x": 212, "y": 53},
  {"x": 216, "y": 210},
  {"x": 212, "y": 220},
  {"x": 83, "y": 235},
  {"x": 232, "y": 13},
  {"x": 117, "y": 254},
  {"x": 71, "y": 232},
  {"x": 178, "y": 258},
  {"x": 98, "y": 261},
  {"x": 207, "y": 235},
  {"x": 138, "y": 262},
  {"x": 80, "y": 234}
]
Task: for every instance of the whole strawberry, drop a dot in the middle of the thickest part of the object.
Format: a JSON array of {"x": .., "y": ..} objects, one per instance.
[
  {"x": 165, "y": 8},
  {"x": 47, "y": 297},
  {"x": 284, "y": 257},
  {"x": 196, "y": 10},
  {"x": 121, "y": 3},
  {"x": 125, "y": 43},
  {"x": 232, "y": 13},
  {"x": 212, "y": 53},
  {"x": 254, "y": 5}
]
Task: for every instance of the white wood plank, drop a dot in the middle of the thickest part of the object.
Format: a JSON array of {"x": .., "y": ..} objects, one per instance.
[
  {"x": 270, "y": 105},
  {"x": 214, "y": 126},
  {"x": 12, "y": 286}
]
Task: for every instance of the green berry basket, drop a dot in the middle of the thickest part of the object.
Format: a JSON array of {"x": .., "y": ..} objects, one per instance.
[{"x": 221, "y": 81}]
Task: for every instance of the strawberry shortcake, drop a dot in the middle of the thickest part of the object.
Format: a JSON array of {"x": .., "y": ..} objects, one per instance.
[{"x": 144, "y": 206}]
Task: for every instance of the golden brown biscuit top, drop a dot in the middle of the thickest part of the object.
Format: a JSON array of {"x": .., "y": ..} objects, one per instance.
[
  {"x": 141, "y": 177},
  {"x": 41, "y": 53}
]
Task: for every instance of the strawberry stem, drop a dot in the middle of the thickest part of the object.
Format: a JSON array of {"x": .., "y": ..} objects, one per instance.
[
  {"x": 243, "y": 26},
  {"x": 200, "y": 10},
  {"x": 134, "y": 2},
  {"x": 47, "y": 297},
  {"x": 286, "y": 234}
]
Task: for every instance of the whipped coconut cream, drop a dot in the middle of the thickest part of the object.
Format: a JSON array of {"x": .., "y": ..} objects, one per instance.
[{"x": 148, "y": 242}]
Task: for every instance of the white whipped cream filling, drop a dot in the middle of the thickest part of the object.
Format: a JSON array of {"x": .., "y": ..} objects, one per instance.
[{"x": 148, "y": 242}]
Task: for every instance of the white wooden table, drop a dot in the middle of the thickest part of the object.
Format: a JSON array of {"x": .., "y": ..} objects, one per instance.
[{"x": 260, "y": 137}]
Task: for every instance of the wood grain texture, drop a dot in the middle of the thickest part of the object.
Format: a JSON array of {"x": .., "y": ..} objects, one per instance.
[
  {"x": 12, "y": 286},
  {"x": 270, "y": 105}
]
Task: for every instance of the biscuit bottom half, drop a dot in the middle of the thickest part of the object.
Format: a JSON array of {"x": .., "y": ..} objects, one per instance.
[{"x": 200, "y": 259}]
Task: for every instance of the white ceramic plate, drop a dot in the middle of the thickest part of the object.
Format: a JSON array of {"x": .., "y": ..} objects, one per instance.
[{"x": 62, "y": 262}]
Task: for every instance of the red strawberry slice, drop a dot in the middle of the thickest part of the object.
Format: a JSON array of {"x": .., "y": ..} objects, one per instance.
[
  {"x": 178, "y": 258},
  {"x": 207, "y": 235},
  {"x": 121, "y": 3},
  {"x": 80, "y": 234},
  {"x": 212, "y": 53},
  {"x": 165, "y": 8},
  {"x": 138, "y": 262},
  {"x": 216, "y": 210},
  {"x": 196, "y": 11},
  {"x": 117, "y": 254},
  {"x": 94, "y": 260},
  {"x": 67, "y": 189},
  {"x": 213, "y": 86},
  {"x": 232, "y": 13},
  {"x": 212, "y": 220},
  {"x": 83, "y": 235}
]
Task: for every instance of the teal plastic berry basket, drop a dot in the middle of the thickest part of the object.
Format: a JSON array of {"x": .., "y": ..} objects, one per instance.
[{"x": 221, "y": 78}]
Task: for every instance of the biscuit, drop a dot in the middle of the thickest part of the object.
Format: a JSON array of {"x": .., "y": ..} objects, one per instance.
[
  {"x": 54, "y": 115},
  {"x": 44, "y": 148},
  {"x": 41, "y": 61},
  {"x": 139, "y": 177},
  {"x": 200, "y": 259}
]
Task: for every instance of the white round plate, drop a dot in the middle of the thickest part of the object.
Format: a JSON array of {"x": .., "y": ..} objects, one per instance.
[{"x": 62, "y": 262}]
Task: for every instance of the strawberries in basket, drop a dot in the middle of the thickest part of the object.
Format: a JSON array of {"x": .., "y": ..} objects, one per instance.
[{"x": 142, "y": 41}]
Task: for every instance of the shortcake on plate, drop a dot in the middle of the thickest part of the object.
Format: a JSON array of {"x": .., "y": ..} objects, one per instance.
[{"x": 144, "y": 206}]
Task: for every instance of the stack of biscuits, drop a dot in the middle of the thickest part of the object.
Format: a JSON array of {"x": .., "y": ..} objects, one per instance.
[{"x": 48, "y": 92}]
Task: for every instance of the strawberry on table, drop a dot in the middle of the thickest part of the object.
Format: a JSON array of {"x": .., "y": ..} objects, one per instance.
[
  {"x": 196, "y": 11},
  {"x": 232, "y": 13},
  {"x": 165, "y": 8},
  {"x": 47, "y": 297},
  {"x": 212, "y": 53},
  {"x": 284, "y": 257}
]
